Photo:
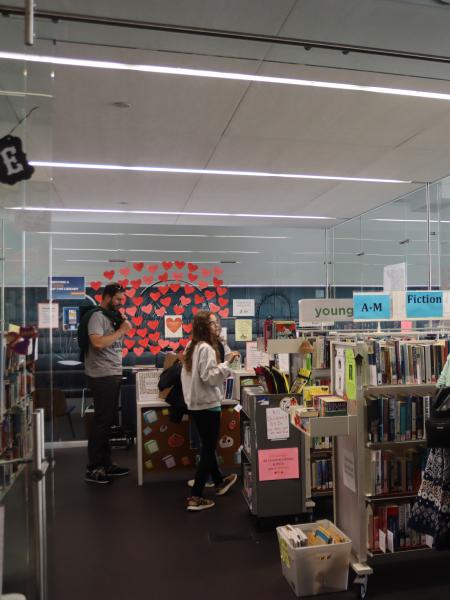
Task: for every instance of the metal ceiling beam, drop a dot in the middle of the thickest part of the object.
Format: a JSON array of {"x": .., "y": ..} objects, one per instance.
[{"x": 57, "y": 16}]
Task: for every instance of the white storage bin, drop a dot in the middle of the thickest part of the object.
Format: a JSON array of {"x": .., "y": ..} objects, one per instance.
[{"x": 313, "y": 570}]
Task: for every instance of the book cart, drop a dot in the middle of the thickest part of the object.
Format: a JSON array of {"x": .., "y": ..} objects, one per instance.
[{"x": 356, "y": 499}]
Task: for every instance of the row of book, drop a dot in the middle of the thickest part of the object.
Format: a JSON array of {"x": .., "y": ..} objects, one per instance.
[
  {"x": 392, "y": 518},
  {"x": 406, "y": 362},
  {"x": 397, "y": 418},
  {"x": 395, "y": 473},
  {"x": 246, "y": 441},
  {"x": 247, "y": 482},
  {"x": 321, "y": 474},
  {"x": 228, "y": 386}
]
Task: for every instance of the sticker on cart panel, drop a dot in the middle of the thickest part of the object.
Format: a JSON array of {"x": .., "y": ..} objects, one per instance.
[
  {"x": 150, "y": 416},
  {"x": 226, "y": 442},
  {"x": 175, "y": 440},
  {"x": 151, "y": 447},
  {"x": 232, "y": 425},
  {"x": 185, "y": 461},
  {"x": 148, "y": 465},
  {"x": 147, "y": 431},
  {"x": 287, "y": 403},
  {"x": 169, "y": 461},
  {"x": 163, "y": 429}
]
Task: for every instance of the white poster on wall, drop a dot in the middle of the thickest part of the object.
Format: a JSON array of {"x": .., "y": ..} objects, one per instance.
[
  {"x": 254, "y": 357},
  {"x": 243, "y": 308},
  {"x": 277, "y": 424},
  {"x": 147, "y": 385},
  {"x": 173, "y": 326},
  {"x": 394, "y": 278},
  {"x": 48, "y": 315}
]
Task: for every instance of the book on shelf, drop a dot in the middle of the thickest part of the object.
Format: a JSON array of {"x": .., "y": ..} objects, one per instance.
[
  {"x": 395, "y": 472},
  {"x": 397, "y": 418},
  {"x": 393, "y": 518},
  {"x": 321, "y": 475}
]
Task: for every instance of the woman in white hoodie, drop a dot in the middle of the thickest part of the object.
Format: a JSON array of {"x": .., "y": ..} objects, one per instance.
[{"x": 202, "y": 377}]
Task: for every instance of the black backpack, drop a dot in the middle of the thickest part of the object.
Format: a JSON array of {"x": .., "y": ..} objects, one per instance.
[
  {"x": 83, "y": 331},
  {"x": 171, "y": 378}
]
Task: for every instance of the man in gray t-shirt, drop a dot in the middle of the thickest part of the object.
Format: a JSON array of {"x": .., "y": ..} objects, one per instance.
[{"x": 103, "y": 367}]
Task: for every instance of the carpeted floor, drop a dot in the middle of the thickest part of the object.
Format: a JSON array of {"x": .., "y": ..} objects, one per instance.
[{"x": 121, "y": 542}]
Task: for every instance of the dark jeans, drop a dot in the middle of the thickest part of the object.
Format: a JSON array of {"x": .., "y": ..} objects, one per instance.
[
  {"x": 208, "y": 427},
  {"x": 105, "y": 391}
]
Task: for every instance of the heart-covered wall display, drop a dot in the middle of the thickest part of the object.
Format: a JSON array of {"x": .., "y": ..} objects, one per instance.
[{"x": 171, "y": 286}]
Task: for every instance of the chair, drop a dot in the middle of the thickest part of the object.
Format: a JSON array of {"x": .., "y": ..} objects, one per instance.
[{"x": 53, "y": 400}]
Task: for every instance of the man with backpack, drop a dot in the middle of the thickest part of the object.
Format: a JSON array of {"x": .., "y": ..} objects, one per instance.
[{"x": 100, "y": 338}]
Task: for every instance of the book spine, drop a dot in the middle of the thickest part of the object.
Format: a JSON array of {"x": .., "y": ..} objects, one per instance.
[
  {"x": 414, "y": 418},
  {"x": 392, "y": 418}
]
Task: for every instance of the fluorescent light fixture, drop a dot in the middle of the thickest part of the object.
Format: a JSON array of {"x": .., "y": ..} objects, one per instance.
[
  {"x": 93, "y": 260},
  {"x": 224, "y": 172},
  {"x": 17, "y": 94},
  {"x": 190, "y": 235},
  {"x": 162, "y": 213},
  {"x": 157, "y": 251},
  {"x": 166, "y": 70},
  {"x": 306, "y": 262},
  {"x": 411, "y": 220}
]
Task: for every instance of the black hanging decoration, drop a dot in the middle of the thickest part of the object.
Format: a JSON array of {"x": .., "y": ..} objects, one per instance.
[{"x": 14, "y": 166}]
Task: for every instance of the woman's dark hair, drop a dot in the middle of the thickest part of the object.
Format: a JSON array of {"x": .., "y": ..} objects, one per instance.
[{"x": 201, "y": 332}]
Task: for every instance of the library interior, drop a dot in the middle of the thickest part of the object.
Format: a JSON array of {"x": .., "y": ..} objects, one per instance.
[{"x": 224, "y": 272}]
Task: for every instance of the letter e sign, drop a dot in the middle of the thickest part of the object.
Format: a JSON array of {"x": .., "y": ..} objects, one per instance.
[{"x": 13, "y": 161}]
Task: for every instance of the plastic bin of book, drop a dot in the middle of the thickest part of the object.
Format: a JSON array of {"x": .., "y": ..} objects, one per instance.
[{"x": 314, "y": 570}]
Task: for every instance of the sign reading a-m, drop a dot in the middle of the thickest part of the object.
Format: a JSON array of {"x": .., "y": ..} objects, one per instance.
[{"x": 372, "y": 307}]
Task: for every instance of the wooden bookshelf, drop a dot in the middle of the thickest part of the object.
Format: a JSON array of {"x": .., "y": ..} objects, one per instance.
[{"x": 419, "y": 389}]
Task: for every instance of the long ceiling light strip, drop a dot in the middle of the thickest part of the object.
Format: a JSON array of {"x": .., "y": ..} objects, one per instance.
[
  {"x": 223, "y": 172},
  {"x": 157, "y": 251},
  {"x": 162, "y": 213},
  {"x": 165, "y": 70},
  {"x": 189, "y": 235}
]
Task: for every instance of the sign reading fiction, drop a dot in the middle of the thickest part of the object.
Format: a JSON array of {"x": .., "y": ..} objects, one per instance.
[
  {"x": 14, "y": 166},
  {"x": 372, "y": 307},
  {"x": 325, "y": 311},
  {"x": 426, "y": 305}
]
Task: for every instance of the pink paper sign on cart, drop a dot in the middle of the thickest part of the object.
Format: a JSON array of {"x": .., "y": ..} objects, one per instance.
[{"x": 280, "y": 463}]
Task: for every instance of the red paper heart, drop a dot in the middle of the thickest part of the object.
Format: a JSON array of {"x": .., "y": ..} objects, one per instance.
[
  {"x": 143, "y": 342},
  {"x": 160, "y": 311},
  {"x": 152, "y": 268},
  {"x": 217, "y": 271},
  {"x": 163, "y": 277},
  {"x": 195, "y": 310},
  {"x": 123, "y": 282},
  {"x": 178, "y": 310},
  {"x": 198, "y": 299},
  {"x": 123, "y": 301},
  {"x": 138, "y": 266},
  {"x": 163, "y": 289},
  {"x": 173, "y": 324},
  {"x": 148, "y": 279},
  {"x": 210, "y": 294},
  {"x": 174, "y": 345},
  {"x": 130, "y": 293},
  {"x": 164, "y": 343},
  {"x": 222, "y": 291},
  {"x": 131, "y": 332},
  {"x": 129, "y": 343},
  {"x": 189, "y": 289},
  {"x": 223, "y": 302},
  {"x": 152, "y": 324},
  {"x": 147, "y": 309},
  {"x": 155, "y": 350},
  {"x": 124, "y": 352},
  {"x": 177, "y": 276},
  {"x": 192, "y": 277},
  {"x": 142, "y": 332},
  {"x": 138, "y": 301},
  {"x": 214, "y": 308},
  {"x": 154, "y": 336},
  {"x": 109, "y": 274},
  {"x": 98, "y": 298},
  {"x": 122, "y": 311},
  {"x": 131, "y": 310},
  {"x": 179, "y": 264},
  {"x": 125, "y": 271},
  {"x": 167, "y": 264},
  {"x": 138, "y": 351},
  {"x": 192, "y": 267},
  {"x": 203, "y": 285},
  {"x": 217, "y": 282},
  {"x": 137, "y": 321},
  {"x": 96, "y": 285},
  {"x": 155, "y": 296},
  {"x": 206, "y": 273},
  {"x": 184, "y": 341},
  {"x": 166, "y": 301},
  {"x": 136, "y": 283},
  {"x": 174, "y": 287},
  {"x": 224, "y": 313},
  {"x": 185, "y": 301},
  {"x": 187, "y": 328}
]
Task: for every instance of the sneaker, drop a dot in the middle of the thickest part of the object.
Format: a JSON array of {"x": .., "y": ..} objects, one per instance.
[
  {"x": 195, "y": 503},
  {"x": 116, "y": 471},
  {"x": 208, "y": 484},
  {"x": 97, "y": 476},
  {"x": 227, "y": 482}
]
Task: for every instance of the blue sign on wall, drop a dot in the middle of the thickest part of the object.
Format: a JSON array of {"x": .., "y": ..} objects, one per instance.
[
  {"x": 66, "y": 288},
  {"x": 371, "y": 307},
  {"x": 424, "y": 305}
]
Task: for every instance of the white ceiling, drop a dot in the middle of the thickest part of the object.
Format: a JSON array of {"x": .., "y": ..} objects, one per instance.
[{"x": 207, "y": 123}]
